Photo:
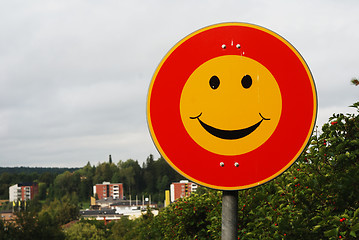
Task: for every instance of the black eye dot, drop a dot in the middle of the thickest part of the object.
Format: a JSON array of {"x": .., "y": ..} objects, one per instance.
[
  {"x": 246, "y": 81},
  {"x": 214, "y": 82}
]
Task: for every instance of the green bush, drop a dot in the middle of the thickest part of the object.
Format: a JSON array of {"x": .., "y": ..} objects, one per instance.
[{"x": 84, "y": 231}]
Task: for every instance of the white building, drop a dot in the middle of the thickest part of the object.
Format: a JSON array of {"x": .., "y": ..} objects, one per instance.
[
  {"x": 14, "y": 193},
  {"x": 23, "y": 191}
]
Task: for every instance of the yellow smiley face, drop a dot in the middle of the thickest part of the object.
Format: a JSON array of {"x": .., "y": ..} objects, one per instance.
[{"x": 230, "y": 105}]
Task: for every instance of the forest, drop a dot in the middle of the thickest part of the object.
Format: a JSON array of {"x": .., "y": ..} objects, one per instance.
[
  {"x": 152, "y": 178},
  {"x": 316, "y": 198}
]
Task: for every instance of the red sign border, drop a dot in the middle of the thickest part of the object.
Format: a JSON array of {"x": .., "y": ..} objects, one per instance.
[{"x": 169, "y": 63}]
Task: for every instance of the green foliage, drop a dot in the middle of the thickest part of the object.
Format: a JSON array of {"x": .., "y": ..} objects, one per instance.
[
  {"x": 196, "y": 217},
  {"x": 66, "y": 183},
  {"x": 28, "y": 227},
  {"x": 10, "y": 176},
  {"x": 84, "y": 231},
  {"x": 61, "y": 211},
  {"x": 7, "y": 230},
  {"x": 151, "y": 179},
  {"x": 141, "y": 228},
  {"x": 123, "y": 229}
]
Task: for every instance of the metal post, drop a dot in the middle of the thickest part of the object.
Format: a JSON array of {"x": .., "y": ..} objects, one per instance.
[{"x": 229, "y": 215}]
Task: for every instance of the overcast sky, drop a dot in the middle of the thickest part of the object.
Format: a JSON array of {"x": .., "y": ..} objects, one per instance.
[{"x": 74, "y": 74}]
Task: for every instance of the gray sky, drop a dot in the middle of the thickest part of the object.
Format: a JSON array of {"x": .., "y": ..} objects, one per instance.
[{"x": 74, "y": 75}]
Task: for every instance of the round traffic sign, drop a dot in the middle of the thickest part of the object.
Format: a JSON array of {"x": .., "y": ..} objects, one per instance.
[{"x": 231, "y": 106}]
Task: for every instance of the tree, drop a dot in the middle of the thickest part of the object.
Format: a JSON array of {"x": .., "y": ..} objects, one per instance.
[
  {"x": 47, "y": 177},
  {"x": 5, "y": 180},
  {"x": 87, "y": 171},
  {"x": 62, "y": 211},
  {"x": 42, "y": 191},
  {"x": 28, "y": 226},
  {"x": 84, "y": 231},
  {"x": 131, "y": 175},
  {"x": 104, "y": 172},
  {"x": 66, "y": 183},
  {"x": 8, "y": 230},
  {"x": 85, "y": 189},
  {"x": 123, "y": 229}
]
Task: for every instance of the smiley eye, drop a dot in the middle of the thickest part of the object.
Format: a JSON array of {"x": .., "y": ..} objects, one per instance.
[
  {"x": 214, "y": 82},
  {"x": 246, "y": 81}
]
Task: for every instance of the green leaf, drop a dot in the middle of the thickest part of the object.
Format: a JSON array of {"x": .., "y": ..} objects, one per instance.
[
  {"x": 355, "y": 227},
  {"x": 353, "y": 234},
  {"x": 331, "y": 233},
  {"x": 356, "y": 213},
  {"x": 316, "y": 228},
  {"x": 316, "y": 218}
]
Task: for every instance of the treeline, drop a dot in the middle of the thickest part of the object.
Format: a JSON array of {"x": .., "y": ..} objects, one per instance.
[
  {"x": 152, "y": 178},
  {"x": 34, "y": 170}
]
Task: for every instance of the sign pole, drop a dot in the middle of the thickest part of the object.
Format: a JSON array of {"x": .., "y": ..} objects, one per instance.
[{"x": 229, "y": 215}]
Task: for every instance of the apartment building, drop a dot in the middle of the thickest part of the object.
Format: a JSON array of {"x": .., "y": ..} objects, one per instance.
[
  {"x": 23, "y": 191},
  {"x": 107, "y": 189},
  {"x": 182, "y": 189}
]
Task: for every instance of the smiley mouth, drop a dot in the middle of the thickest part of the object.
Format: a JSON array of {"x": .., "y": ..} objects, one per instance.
[{"x": 229, "y": 134}]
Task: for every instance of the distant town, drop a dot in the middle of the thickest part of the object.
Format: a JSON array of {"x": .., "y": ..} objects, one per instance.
[
  {"x": 107, "y": 203},
  {"x": 99, "y": 198}
]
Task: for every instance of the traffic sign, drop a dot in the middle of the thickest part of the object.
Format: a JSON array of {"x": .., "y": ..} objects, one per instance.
[{"x": 232, "y": 106}]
